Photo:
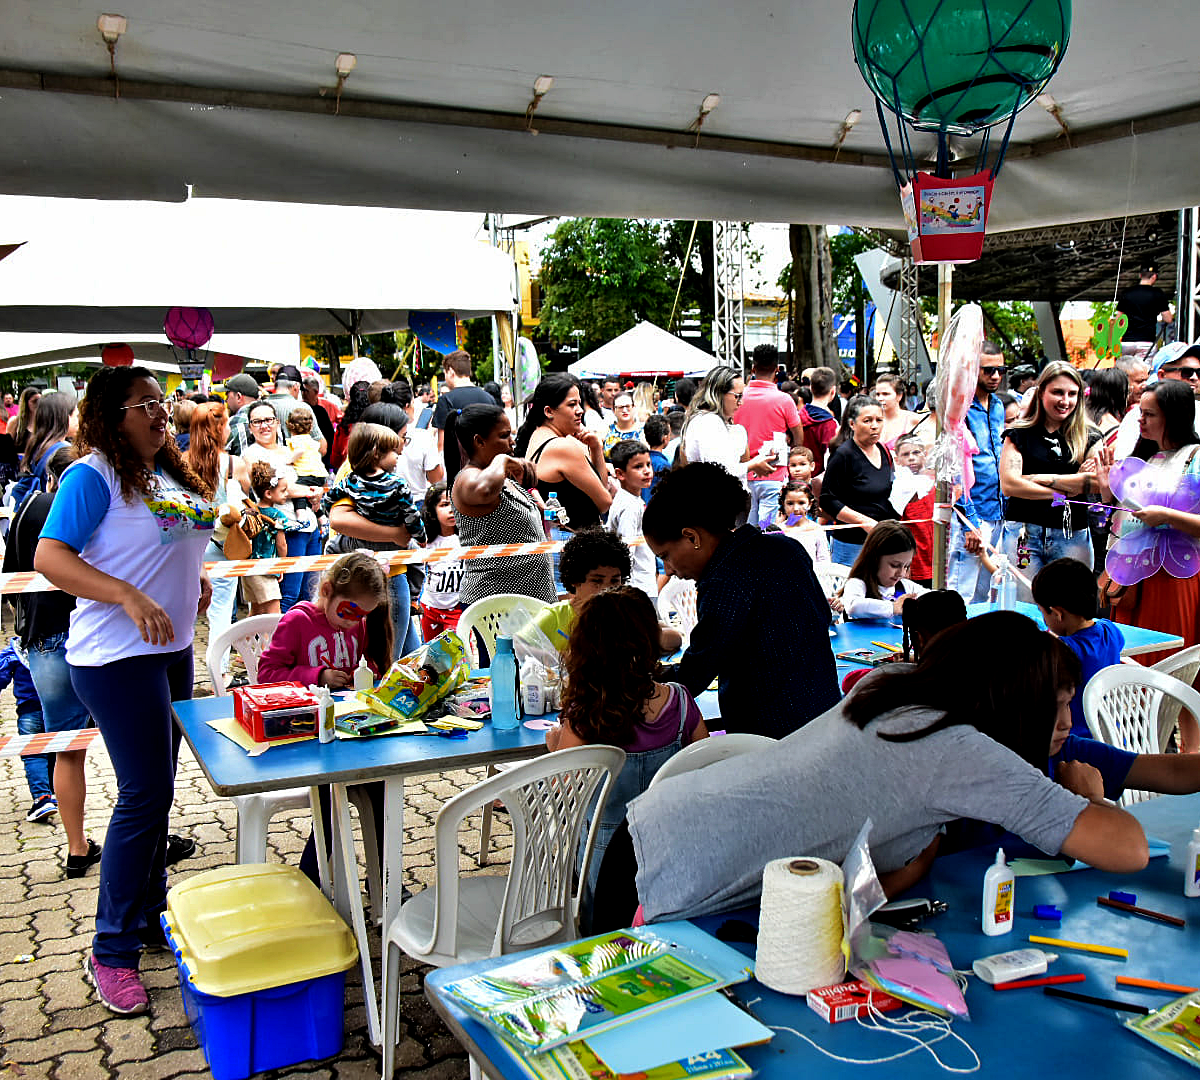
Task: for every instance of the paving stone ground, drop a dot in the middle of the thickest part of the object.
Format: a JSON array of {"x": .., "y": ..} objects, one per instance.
[{"x": 51, "y": 1025}]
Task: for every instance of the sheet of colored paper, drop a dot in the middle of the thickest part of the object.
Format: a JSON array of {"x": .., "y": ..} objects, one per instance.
[{"x": 234, "y": 731}]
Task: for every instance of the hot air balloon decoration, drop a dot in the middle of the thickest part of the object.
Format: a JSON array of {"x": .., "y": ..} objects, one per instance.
[{"x": 188, "y": 330}]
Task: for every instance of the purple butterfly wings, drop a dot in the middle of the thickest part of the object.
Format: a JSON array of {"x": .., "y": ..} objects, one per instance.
[{"x": 1142, "y": 551}]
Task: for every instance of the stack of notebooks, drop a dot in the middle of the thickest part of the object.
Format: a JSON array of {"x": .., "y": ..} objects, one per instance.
[{"x": 649, "y": 1001}]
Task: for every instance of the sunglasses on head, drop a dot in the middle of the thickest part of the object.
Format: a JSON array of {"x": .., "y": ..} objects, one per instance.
[{"x": 997, "y": 370}]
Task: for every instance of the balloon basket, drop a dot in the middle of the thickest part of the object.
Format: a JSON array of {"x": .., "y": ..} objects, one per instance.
[{"x": 946, "y": 219}]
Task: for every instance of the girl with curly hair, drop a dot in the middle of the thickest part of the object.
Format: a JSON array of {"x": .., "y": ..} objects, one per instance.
[
  {"x": 610, "y": 697},
  {"x": 126, "y": 535}
]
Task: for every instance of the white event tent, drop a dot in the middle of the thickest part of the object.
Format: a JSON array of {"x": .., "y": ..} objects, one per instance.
[
  {"x": 22, "y": 352},
  {"x": 645, "y": 351}
]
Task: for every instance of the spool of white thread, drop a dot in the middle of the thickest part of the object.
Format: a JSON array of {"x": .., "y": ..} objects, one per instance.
[{"x": 800, "y": 926}]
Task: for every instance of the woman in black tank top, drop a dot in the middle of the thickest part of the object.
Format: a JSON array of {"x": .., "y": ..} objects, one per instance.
[{"x": 569, "y": 458}]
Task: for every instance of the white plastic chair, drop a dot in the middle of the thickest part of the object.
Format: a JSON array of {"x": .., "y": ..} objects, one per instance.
[
  {"x": 1183, "y": 665},
  {"x": 250, "y": 638},
  {"x": 1121, "y": 706},
  {"x": 677, "y": 606},
  {"x": 486, "y": 617},
  {"x": 462, "y": 919},
  {"x": 832, "y": 576},
  {"x": 705, "y": 751}
]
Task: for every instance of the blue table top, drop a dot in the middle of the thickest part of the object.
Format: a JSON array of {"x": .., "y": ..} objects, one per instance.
[
  {"x": 231, "y": 771},
  {"x": 1016, "y": 1033}
]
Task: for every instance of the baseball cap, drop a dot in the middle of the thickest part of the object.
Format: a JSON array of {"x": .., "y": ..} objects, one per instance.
[
  {"x": 243, "y": 384},
  {"x": 1193, "y": 351},
  {"x": 288, "y": 374}
]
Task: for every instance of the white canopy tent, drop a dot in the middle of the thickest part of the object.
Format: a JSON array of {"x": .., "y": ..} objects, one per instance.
[
  {"x": 116, "y": 268},
  {"x": 23, "y": 352},
  {"x": 645, "y": 351},
  {"x": 240, "y": 100}
]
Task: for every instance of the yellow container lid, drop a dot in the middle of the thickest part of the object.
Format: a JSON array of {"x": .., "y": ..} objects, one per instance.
[{"x": 251, "y": 927}]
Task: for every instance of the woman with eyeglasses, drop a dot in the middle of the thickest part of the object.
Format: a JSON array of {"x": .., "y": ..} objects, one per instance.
[
  {"x": 126, "y": 535},
  {"x": 709, "y": 433},
  {"x": 305, "y": 538},
  {"x": 1047, "y": 453}
]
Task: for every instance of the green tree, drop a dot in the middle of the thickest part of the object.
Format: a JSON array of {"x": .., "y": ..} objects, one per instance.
[{"x": 601, "y": 276}]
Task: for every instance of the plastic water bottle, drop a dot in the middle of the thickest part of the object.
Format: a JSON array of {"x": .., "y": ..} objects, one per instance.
[
  {"x": 555, "y": 513},
  {"x": 506, "y": 713},
  {"x": 1004, "y": 586}
]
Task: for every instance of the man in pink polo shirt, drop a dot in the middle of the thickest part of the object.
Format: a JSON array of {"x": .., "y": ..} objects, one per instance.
[{"x": 770, "y": 417}]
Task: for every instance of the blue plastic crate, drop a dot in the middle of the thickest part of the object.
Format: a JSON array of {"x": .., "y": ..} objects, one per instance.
[{"x": 265, "y": 1029}]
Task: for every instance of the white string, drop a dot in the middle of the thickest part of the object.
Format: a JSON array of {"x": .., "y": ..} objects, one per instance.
[
  {"x": 1128, "y": 200},
  {"x": 800, "y": 925}
]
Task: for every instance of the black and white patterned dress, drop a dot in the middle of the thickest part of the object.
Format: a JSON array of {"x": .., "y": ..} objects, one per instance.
[{"x": 516, "y": 520}]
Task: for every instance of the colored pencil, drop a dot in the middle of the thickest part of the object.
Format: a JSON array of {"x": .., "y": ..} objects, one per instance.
[
  {"x": 1049, "y": 980},
  {"x": 1103, "y": 950},
  {"x": 1133, "y": 909},
  {"x": 1108, "y": 1003},
  {"x": 885, "y": 645},
  {"x": 1150, "y": 984}
]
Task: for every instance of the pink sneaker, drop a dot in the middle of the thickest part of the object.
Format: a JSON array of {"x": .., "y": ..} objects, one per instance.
[{"x": 119, "y": 989}]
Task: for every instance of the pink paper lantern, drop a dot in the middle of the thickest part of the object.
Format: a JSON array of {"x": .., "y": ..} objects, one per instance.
[
  {"x": 118, "y": 354},
  {"x": 188, "y": 328}
]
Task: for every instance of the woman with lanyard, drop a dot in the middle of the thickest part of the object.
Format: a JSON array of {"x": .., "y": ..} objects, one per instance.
[
  {"x": 569, "y": 459},
  {"x": 489, "y": 487},
  {"x": 1169, "y": 445},
  {"x": 126, "y": 535},
  {"x": 1045, "y": 454},
  {"x": 305, "y": 538},
  {"x": 913, "y": 749},
  {"x": 229, "y": 478},
  {"x": 857, "y": 483}
]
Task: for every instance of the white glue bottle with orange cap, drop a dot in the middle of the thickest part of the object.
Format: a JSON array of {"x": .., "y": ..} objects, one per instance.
[{"x": 998, "y": 888}]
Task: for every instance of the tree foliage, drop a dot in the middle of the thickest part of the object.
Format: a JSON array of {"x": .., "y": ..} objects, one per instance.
[{"x": 601, "y": 276}]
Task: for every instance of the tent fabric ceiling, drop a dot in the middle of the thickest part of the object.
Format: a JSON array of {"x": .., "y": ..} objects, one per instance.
[
  {"x": 116, "y": 268},
  {"x": 22, "y": 351},
  {"x": 432, "y": 116}
]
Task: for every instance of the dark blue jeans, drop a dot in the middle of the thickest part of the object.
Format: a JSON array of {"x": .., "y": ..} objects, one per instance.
[
  {"x": 299, "y": 586},
  {"x": 130, "y": 700}
]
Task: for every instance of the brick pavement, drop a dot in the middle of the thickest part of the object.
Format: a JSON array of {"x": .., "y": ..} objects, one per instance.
[{"x": 50, "y": 1023}]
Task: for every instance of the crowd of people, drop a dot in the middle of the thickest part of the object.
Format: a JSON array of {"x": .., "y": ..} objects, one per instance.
[{"x": 788, "y": 503}]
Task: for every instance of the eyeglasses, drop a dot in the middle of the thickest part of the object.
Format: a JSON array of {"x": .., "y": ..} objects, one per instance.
[
  {"x": 992, "y": 370},
  {"x": 155, "y": 407},
  {"x": 1188, "y": 373},
  {"x": 263, "y": 423}
]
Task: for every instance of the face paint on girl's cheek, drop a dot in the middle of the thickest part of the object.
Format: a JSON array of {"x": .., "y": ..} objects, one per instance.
[{"x": 348, "y": 610}]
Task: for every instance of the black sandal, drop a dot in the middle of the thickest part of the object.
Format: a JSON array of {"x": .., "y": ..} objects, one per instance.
[{"x": 77, "y": 865}]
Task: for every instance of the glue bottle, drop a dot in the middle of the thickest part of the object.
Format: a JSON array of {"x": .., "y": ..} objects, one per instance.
[
  {"x": 998, "y": 887},
  {"x": 325, "y": 706},
  {"x": 1191, "y": 866},
  {"x": 363, "y": 679}
]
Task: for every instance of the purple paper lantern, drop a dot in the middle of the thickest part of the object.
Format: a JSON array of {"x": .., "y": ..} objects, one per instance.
[{"x": 187, "y": 327}]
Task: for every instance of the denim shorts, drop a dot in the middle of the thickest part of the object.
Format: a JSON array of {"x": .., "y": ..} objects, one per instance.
[{"x": 61, "y": 708}]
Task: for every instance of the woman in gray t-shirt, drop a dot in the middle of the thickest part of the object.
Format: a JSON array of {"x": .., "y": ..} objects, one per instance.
[{"x": 953, "y": 737}]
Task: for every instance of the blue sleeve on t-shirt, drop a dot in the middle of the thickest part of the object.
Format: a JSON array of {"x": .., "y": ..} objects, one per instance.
[
  {"x": 79, "y": 506},
  {"x": 1097, "y": 646},
  {"x": 1112, "y": 762}
]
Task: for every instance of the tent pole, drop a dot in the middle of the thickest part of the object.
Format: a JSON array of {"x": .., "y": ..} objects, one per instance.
[
  {"x": 941, "y": 532},
  {"x": 503, "y": 322}
]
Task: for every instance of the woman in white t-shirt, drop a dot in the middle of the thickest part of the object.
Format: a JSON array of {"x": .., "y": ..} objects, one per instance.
[
  {"x": 709, "y": 433},
  {"x": 126, "y": 535}
]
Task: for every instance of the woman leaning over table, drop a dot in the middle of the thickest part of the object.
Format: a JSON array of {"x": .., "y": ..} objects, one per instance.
[
  {"x": 126, "y": 535},
  {"x": 1045, "y": 453}
]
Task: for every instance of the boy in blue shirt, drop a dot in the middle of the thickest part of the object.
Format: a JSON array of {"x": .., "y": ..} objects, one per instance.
[
  {"x": 1066, "y": 594},
  {"x": 656, "y": 432}
]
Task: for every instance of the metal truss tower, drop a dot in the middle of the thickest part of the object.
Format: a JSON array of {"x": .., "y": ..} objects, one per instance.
[
  {"x": 908, "y": 348},
  {"x": 729, "y": 324},
  {"x": 1187, "y": 299}
]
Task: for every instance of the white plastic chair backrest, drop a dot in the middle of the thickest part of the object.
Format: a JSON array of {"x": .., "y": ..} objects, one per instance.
[
  {"x": 1183, "y": 665},
  {"x": 832, "y": 576},
  {"x": 706, "y": 751},
  {"x": 678, "y": 598},
  {"x": 548, "y": 801},
  {"x": 1121, "y": 706},
  {"x": 486, "y": 617},
  {"x": 248, "y": 638}
]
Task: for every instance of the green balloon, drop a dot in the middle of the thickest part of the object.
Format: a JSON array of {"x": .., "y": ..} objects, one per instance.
[{"x": 958, "y": 65}]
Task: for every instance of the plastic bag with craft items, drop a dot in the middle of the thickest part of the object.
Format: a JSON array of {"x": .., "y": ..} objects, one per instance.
[{"x": 422, "y": 678}]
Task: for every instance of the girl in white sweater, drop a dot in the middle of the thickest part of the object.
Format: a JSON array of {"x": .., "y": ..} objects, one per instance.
[{"x": 878, "y": 583}]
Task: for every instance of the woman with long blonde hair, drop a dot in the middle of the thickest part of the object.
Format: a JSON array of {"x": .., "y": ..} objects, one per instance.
[
  {"x": 229, "y": 477},
  {"x": 1046, "y": 454},
  {"x": 709, "y": 433}
]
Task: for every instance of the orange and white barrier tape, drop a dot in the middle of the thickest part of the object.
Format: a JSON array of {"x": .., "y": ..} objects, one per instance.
[{"x": 47, "y": 742}]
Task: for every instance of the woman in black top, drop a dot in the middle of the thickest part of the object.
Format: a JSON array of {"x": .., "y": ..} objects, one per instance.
[
  {"x": 858, "y": 479},
  {"x": 1046, "y": 453}
]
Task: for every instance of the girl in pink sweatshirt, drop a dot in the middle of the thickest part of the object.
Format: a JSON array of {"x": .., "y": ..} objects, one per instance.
[{"x": 320, "y": 643}]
